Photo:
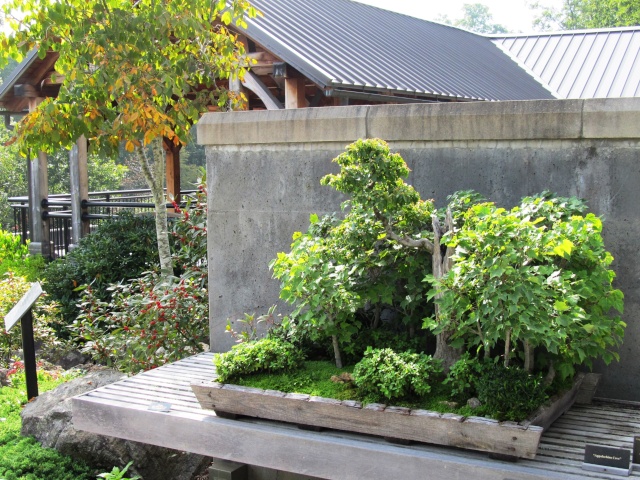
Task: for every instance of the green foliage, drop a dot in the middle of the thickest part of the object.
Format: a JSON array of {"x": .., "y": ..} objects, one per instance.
[
  {"x": 321, "y": 289},
  {"x": 22, "y": 458},
  {"x": 384, "y": 375},
  {"x": 311, "y": 378},
  {"x": 149, "y": 62},
  {"x": 341, "y": 274},
  {"x": 11, "y": 248},
  {"x": 477, "y": 18},
  {"x": 117, "y": 474},
  {"x": 510, "y": 393},
  {"x": 103, "y": 172},
  {"x": 537, "y": 274},
  {"x": 134, "y": 73},
  {"x": 582, "y": 14},
  {"x": 463, "y": 376},
  {"x": 12, "y": 288},
  {"x": 12, "y": 177},
  {"x": 250, "y": 324},
  {"x": 120, "y": 249},
  {"x": 265, "y": 355},
  {"x": 148, "y": 322},
  {"x": 153, "y": 319}
]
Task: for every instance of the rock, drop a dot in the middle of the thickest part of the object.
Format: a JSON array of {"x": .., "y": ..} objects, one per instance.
[
  {"x": 48, "y": 418},
  {"x": 64, "y": 357},
  {"x": 474, "y": 402},
  {"x": 451, "y": 405},
  {"x": 4, "y": 381}
]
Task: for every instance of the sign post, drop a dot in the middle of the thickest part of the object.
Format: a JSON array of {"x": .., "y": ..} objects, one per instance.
[{"x": 23, "y": 311}]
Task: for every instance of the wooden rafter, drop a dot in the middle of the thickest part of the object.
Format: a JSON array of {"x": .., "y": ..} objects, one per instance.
[{"x": 257, "y": 86}]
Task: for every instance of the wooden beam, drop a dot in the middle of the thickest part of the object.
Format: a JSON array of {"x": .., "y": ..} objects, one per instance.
[
  {"x": 25, "y": 90},
  {"x": 172, "y": 155},
  {"x": 263, "y": 62},
  {"x": 294, "y": 95},
  {"x": 46, "y": 65},
  {"x": 52, "y": 79},
  {"x": 257, "y": 86}
]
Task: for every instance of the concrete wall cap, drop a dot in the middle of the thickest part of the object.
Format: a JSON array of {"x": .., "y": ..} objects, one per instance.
[{"x": 522, "y": 120}]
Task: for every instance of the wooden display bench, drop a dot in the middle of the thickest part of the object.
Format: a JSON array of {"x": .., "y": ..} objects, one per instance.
[{"x": 130, "y": 409}]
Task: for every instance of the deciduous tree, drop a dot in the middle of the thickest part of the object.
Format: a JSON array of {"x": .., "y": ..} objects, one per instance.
[
  {"x": 137, "y": 73},
  {"x": 581, "y": 14}
]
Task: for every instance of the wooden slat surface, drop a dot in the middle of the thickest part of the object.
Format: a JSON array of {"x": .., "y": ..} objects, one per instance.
[{"x": 128, "y": 409}]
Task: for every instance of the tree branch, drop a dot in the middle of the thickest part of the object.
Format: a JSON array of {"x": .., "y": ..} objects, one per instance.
[{"x": 405, "y": 241}]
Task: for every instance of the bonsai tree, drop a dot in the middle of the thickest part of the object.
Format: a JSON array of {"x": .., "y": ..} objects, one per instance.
[
  {"x": 319, "y": 285},
  {"x": 374, "y": 179},
  {"x": 535, "y": 277}
]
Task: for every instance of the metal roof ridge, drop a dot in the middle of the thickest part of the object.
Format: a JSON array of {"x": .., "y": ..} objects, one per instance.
[{"x": 495, "y": 36}]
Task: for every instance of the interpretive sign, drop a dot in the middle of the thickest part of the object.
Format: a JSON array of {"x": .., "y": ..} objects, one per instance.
[
  {"x": 23, "y": 306},
  {"x": 22, "y": 311},
  {"x": 616, "y": 461}
]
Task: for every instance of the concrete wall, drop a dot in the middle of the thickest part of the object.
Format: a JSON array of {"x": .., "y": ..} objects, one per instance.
[{"x": 264, "y": 169}]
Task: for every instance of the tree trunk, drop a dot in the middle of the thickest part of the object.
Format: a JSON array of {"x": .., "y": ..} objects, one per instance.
[
  {"x": 441, "y": 264},
  {"x": 336, "y": 351},
  {"x": 507, "y": 349},
  {"x": 153, "y": 167},
  {"x": 528, "y": 357},
  {"x": 551, "y": 374}
]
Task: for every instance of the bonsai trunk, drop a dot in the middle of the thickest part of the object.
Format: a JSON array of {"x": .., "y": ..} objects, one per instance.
[
  {"x": 441, "y": 264},
  {"x": 336, "y": 351},
  {"x": 528, "y": 356},
  {"x": 153, "y": 167}
]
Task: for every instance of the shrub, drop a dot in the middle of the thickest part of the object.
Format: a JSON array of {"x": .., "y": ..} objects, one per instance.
[
  {"x": 265, "y": 355},
  {"x": 148, "y": 322},
  {"x": 153, "y": 319},
  {"x": 463, "y": 376},
  {"x": 15, "y": 258},
  {"x": 510, "y": 393},
  {"x": 120, "y": 249},
  {"x": 11, "y": 248},
  {"x": 384, "y": 375}
]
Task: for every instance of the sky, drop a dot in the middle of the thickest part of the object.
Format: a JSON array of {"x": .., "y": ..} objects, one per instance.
[{"x": 515, "y": 15}]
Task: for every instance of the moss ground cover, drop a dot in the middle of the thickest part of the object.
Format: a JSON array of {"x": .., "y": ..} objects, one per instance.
[{"x": 22, "y": 458}]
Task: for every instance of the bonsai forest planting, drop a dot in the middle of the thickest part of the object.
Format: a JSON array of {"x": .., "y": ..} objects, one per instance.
[{"x": 472, "y": 308}]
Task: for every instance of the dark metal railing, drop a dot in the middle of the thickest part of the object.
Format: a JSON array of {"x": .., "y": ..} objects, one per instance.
[{"x": 98, "y": 207}]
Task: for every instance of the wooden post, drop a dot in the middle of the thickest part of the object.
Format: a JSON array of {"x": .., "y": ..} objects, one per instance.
[
  {"x": 294, "y": 96},
  {"x": 38, "y": 192},
  {"x": 227, "y": 470},
  {"x": 172, "y": 155},
  {"x": 29, "y": 355},
  {"x": 79, "y": 179}
]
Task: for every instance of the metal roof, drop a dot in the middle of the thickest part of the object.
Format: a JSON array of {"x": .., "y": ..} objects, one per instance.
[
  {"x": 349, "y": 45},
  {"x": 581, "y": 63}
]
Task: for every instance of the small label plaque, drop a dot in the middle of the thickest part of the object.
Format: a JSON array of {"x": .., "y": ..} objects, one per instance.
[
  {"x": 616, "y": 461},
  {"x": 636, "y": 450}
]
